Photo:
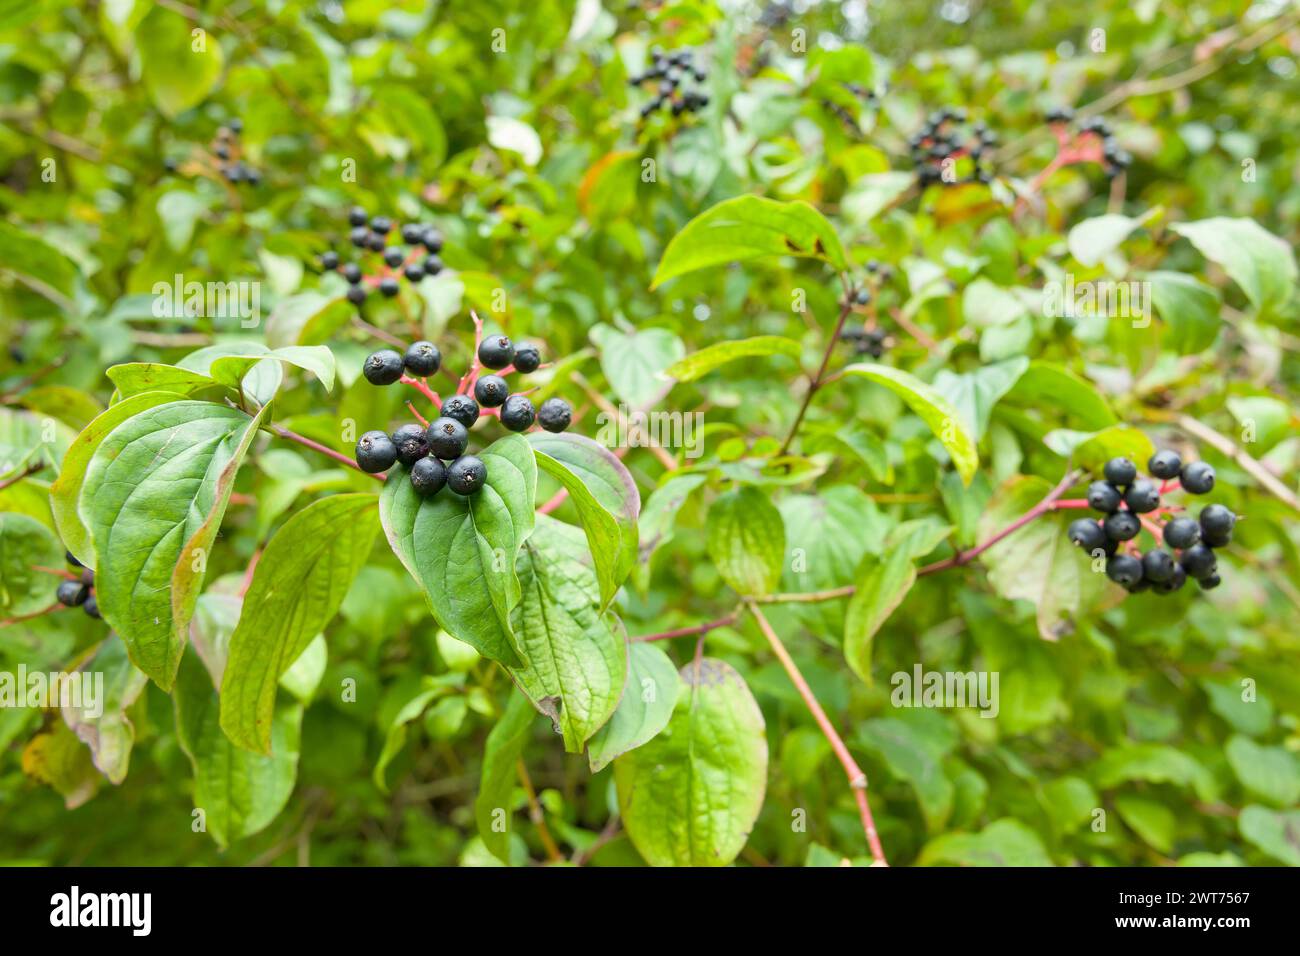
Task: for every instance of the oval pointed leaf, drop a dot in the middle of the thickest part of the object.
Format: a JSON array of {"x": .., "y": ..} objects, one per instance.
[
  {"x": 104, "y": 727},
  {"x": 575, "y": 664},
  {"x": 298, "y": 585},
  {"x": 691, "y": 795},
  {"x": 153, "y": 499},
  {"x": 701, "y": 363},
  {"x": 500, "y": 757},
  {"x": 462, "y": 551},
  {"x": 606, "y": 497},
  {"x": 746, "y": 540},
  {"x": 882, "y": 583},
  {"x": 750, "y": 227},
  {"x": 645, "y": 708},
  {"x": 25, "y": 544},
  {"x": 935, "y": 410},
  {"x": 1255, "y": 259}
]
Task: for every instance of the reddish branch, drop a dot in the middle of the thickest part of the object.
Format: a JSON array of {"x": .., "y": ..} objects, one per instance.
[
  {"x": 317, "y": 446},
  {"x": 13, "y": 479}
]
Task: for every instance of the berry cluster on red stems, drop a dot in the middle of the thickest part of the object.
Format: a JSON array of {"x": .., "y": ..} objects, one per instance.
[
  {"x": 1089, "y": 141},
  {"x": 1185, "y": 544},
  {"x": 435, "y": 452},
  {"x": 386, "y": 263},
  {"x": 223, "y": 158},
  {"x": 671, "y": 73},
  {"x": 944, "y": 140}
]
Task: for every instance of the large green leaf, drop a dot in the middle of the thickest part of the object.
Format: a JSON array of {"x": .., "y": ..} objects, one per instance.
[
  {"x": 35, "y": 261},
  {"x": 975, "y": 393},
  {"x": 1274, "y": 832},
  {"x": 1002, "y": 843},
  {"x": 1271, "y": 773},
  {"x": 1189, "y": 307},
  {"x": 936, "y": 411},
  {"x": 882, "y": 583},
  {"x": 750, "y": 227},
  {"x": 649, "y": 695},
  {"x": 1057, "y": 385},
  {"x": 690, "y": 796},
  {"x": 1258, "y": 261},
  {"x": 298, "y": 585},
  {"x": 635, "y": 363},
  {"x": 26, "y": 544},
  {"x": 66, "y": 490},
  {"x": 575, "y": 663},
  {"x": 154, "y": 496},
  {"x": 605, "y": 496},
  {"x": 180, "y": 66},
  {"x": 746, "y": 540},
  {"x": 462, "y": 551},
  {"x": 104, "y": 727},
  {"x": 492, "y": 807},
  {"x": 1094, "y": 239},
  {"x": 701, "y": 363},
  {"x": 1038, "y": 563},
  {"x": 238, "y": 792}
]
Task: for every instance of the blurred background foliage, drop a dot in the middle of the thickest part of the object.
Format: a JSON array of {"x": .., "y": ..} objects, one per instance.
[{"x": 514, "y": 128}]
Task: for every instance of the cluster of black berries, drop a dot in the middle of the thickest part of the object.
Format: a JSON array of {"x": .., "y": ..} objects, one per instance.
[
  {"x": 413, "y": 259},
  {"x": 80, "y": 591},
  {"x": 225, "y": 157},
  {"x": 668, "y": 71},
  {"x": 946, "y": 138},
  {"x": 1122, "y": 496},
  {"x": 866, "y": 341},
  {"x": 426, "y": 450},
  {"x": 1114, "y": 159}
]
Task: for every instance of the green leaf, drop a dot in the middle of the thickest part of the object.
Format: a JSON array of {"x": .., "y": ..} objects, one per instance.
[
  {"x": 914, "y": 747},
  {"x": 635, "y": 363},
  {"x": 25, "y": 544},
  {"x": 137, "y": 378},
  {"x": 872, "y": 193},
  {"x": 297, "y": 587},
  {"x": 492, "y": 807},
  {"x": 153, "y": 499},
  {"x": 746, "y": 540},
  {"x": 307, "y": 318},
  {"x": 1092, "y": 240},
  {"x": 701, "y": 363},
  {"x": 1055, "y": 384},
  {"x": 230, "y": 369},
  {"x": 606, "y": 499},
  {"x": 574, "y": 663},
  {"x": 1254, "y": 258},
  {"x": 975, "y": 393},
  {"x": 69, "y": 405},
  {"x": 467, "y": 547},
  {"x": 645, "y": 708},
  {"x": 1189, "y": 307},
  {"x": 180, "y": 67},
  {"x": 1038, "y": 563},
  {"x": 105, "y": 728},
  {"x": 1152, "y": 763},
  {"x": 882, "y": 583},
  {"x": 238, "y": 792},
  {"x": 1270, "y": 773},
  {"x": 690, "y": 796},
  {"x": 1275, "y": 833},
  {"x": 36, "y": 262},
  {"x": 395, "y": 738},
  {"x": 935, "y": 410},
  {"x": 1154, "y": 822},
  {"x": 1001, "y": 843},
  {"x": 1092, "y": 451},
  {"x": 66, "y": 490},
  {"x": 750, "y": 227}
]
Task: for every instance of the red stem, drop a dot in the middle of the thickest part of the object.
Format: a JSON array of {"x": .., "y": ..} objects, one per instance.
[{"x": 317, "y": 446}]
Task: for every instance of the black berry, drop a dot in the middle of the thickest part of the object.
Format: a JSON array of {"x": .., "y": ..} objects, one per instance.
[
  {"x": 72, "y": 560},
  {"x": 1087, "y": 534},
  {"x": 357, "y": 216},
  {"x": 375, "y": 242},
  {"x": 414, "y": 272},
  {"x": 1122, "y": 526},
  {"x": 359, "y": 236},
  {"x": 1210, "y": 583},
  {"x": 1178, "y": 579},
  {"x": 462, "y": 408},
  {"x": 1165, "y": 464},
  {"x": 393, "y": 257},
  {"x": 517, "y": 413},
  {"x": 432, "y": 239},
  {"x": 496, "y": 351},
  {"x": 91, "y": 607},
  {"x": 1182, "y": 532},
  {"x": 329, "y": 260},
  {"x": 491, "y": 391},
  {"x": 466, "y": 475},
  {"x": 1216, "y": 525},
  {"x": 432, "y": 265},
  {"x": 1142, "y": 497},
  {"x": 1197, "y": 477},
  {"x": 428, "y": 475},
  {"x": 1120, "y": 471},
  {"x": 1103, "y": 496},
  {"x": 1124, "y": 569},
  {"x": 381, "y": 225},
  {"x": 1158, "y": 566},
  {"x": 555, "y": 415},
  {"x": 71, "y": 593},
  {"x": 352, "y": 272},
  {"x": 375, "y": 452},
  {"x": 527, "y": 358},
  {"x": 1199, "y": 561},
  {"x": 383, "y": 367},
  {"x": 422, "y": 358},
  {"x": 88, "y": 577},
  {"x": 447, "y": 438},
  {"x": 388, "y": 286},
  {"x": 411, "y": 444},
  {"x": 357, "y": 294},
  {"x": 412, "y": 233}
]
